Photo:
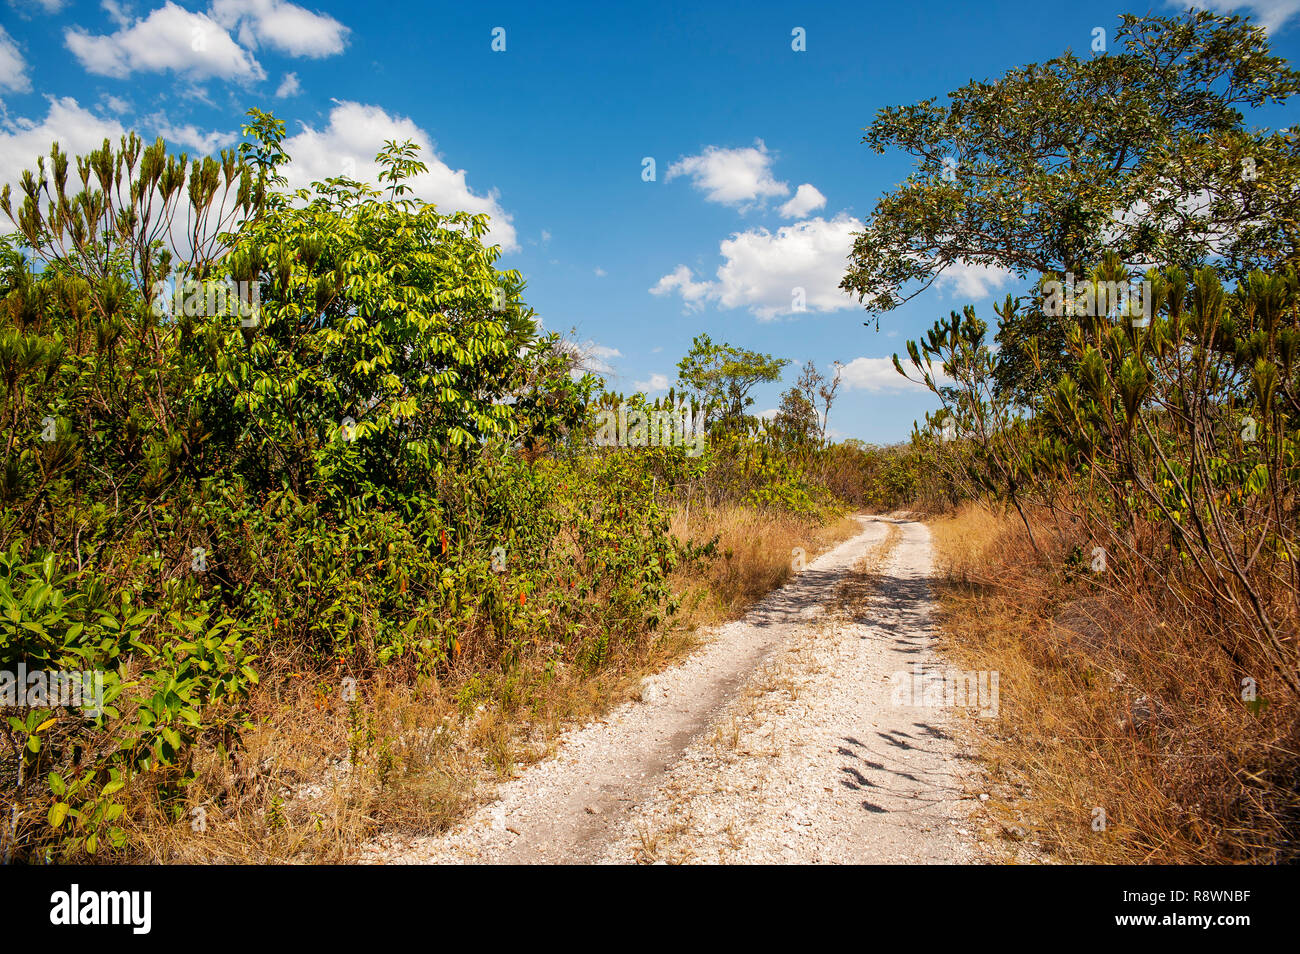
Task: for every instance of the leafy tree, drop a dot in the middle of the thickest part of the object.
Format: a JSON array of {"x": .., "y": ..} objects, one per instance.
[
  {"x": 992, "y": 460},
  {"x": 385, "y": 340},
  {"x": 721, "y": 376},
  {"x": 816, "y": 388},
  {"x": 1053, "y": 165},
  {"x": 796, "y": 424}
]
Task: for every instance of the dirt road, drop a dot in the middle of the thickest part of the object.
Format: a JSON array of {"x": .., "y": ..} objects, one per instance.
[{"x": 777, "y": 741}]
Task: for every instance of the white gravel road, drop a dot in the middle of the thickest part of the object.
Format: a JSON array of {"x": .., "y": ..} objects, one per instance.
[{"x": 779, "y": 740}]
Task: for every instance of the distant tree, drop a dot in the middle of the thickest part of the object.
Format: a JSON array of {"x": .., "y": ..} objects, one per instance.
[
  {"x": 815, "y": 387},
  {"x": 796, "y": 423},
  {"x": 721, "y": 377}
]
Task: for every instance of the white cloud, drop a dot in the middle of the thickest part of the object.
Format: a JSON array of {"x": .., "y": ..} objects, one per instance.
[
  {"x": 47, "y": 6},
  {"x": 13, "y": 68},
  {"x": 348, "y": 145},
  {"x": 189, "y": 135},
  {"x": 657, "y": 383},
  {"x": 762, "y": 269},
  {"x": 738, "y": 177},
  {"x": 76, "y": 130},
  {"x": 288, "y": 27},
  {"x": 806, "y": 199},
  {"x": 1270, "y": 14},
  {"x": 170, "y": 38},
  {"x": 116, "y": 104},
  {"x": 974, "y": 282},
  {"x": 116, "y": 12},
  {"x": 679, "y": 280},
  {"x": 877, "y": 375},
  {"x": 767, "y": 272},
  {"x": 289, "y": 86},
  {"x": 600, "y": 272}
]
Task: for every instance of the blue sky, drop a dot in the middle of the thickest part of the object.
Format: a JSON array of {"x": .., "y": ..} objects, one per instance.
[{"x": 760, "y": 176}]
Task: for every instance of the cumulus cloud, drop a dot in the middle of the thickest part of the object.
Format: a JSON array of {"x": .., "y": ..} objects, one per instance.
[
  {"x": 287, "y": 27},
  {"x": 796, "y": 268},
  {"x": 763, "y": 268},
  {"x": 190, "y": 136},
  {"x": 876, "y": 375},
  {"x": 657, "y": 383},
  {"x": 172, "y": 38},
  {"x": 289, "y": 86},
  {"x": 739, "y": 177},
  {"x": 1270, "y": 14},
  {"x": 13, "y": 68},
  {"x": 975, "y": 282},
  {"x": 679, "y": 280},
  {"x": 348, "y": 144},
  {"x": 806, "y": 199},
  {"x": 76, "y": 130}
]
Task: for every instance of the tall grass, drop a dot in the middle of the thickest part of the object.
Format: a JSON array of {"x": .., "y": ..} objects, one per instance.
[{"x": 1113, "y": 700}]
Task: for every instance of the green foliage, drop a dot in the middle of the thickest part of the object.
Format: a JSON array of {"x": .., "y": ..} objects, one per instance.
[
  {"x": 991, "y": 460},
  {"x": 1172, "y": 444},
  {"x": 720, "y": 377},
  {"x": 1051, "y": 165},
  {"x": 185, "y": 495},
  {"x": 385, "y": 345},
  {"x": 342, "y": 444},
  {"x": 164, "y": 684}
]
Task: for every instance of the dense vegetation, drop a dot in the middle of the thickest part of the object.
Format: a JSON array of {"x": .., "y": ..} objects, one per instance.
[
  {"x": 253, "y": 437},
  {"x": 266, "y": 450},
  {"x": 1141, "y": 422}
]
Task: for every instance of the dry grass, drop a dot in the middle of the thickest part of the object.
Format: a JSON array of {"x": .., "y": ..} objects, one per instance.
[
  {"x": 320, "y": 776},
  {"x": 755, "y": 550},
  {"x": 1109, "y": 704}
]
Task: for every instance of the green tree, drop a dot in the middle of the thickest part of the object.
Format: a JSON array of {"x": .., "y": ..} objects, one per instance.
[
  {"x": 386, "y": 340},
  {"x": 796, "y": 424},
  {"x": 1053, "y": 165},
  {"x": 721, "y": 377}
]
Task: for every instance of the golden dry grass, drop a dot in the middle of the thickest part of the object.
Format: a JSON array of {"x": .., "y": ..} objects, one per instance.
[
  {"x": 1108, "y": 704},
  {"x": 756, "y": 550}
]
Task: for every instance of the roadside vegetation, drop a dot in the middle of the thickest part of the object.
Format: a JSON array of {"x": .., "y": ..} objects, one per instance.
[
  {"x": 1115, "y": 476},
  {"x": 344, "y": 536},
  {"x": 298, "y": 477}
]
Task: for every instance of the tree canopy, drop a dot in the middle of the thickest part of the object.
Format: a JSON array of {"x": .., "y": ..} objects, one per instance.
[
  {"x": 722, "y": 375},
  {"x": 1143, "y": 152}
]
